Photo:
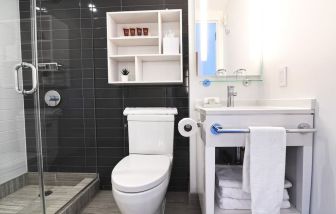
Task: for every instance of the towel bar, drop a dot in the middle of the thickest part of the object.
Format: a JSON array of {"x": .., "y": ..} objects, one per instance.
[{"x": 218, "y": 129}]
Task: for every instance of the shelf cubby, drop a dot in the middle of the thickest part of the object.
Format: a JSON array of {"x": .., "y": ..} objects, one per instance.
[
  {"x": 158, "y": 68},
  {"x": 117, "y": 63},
  {"x": 116, "y": 21},
  {"x": 170, "y": 23}
]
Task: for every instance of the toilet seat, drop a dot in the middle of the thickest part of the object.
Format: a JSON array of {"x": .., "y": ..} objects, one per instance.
[{"x": 138, "y": 173}]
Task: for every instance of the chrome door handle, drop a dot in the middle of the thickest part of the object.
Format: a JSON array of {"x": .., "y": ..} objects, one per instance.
[
  {"x": 34, "y": 78},
  {"x": 17, "y": 80}
]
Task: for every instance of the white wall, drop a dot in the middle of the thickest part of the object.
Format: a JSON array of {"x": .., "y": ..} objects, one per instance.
[
  {"x": 300, "y": 34},
  {"x": 13, "y": 160}
]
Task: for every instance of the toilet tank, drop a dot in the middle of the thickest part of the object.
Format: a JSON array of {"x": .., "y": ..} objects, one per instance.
[{"x": 151, "y": 130}]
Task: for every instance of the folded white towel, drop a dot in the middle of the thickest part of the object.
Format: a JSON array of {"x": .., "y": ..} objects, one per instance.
[
  {"x": 235, "y": 193},
  {"x": 264, "y": 168},
  {"x": 234, "y": 204},
  {"x": 231, "y": 176}
]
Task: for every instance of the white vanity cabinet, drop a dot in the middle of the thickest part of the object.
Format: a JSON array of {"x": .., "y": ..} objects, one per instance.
[{"x": 299, "y": 149}]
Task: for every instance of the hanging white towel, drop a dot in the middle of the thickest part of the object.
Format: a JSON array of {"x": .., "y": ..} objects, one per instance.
[{"x": 264, "y": 168}]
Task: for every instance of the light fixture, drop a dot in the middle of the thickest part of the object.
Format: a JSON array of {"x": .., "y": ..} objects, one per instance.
[
  {"x": 204, "y": 29},
  {"x": 255, "y": 23},
  {"x": 92, "y": 7},
  {"x": 41, "y": 9}
]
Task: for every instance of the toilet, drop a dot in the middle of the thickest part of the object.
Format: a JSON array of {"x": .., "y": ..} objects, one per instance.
[{"x": 140, "y": 180}]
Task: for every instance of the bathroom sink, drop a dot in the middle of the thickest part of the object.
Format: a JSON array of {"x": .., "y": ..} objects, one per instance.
[{"x": 262, "y": 107}]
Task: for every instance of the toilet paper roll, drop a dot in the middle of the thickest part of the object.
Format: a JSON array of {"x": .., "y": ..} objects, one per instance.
[{"x": 187, "y": 127}]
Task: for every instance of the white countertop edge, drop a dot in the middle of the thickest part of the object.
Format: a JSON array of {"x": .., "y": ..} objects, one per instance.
[{"x": 272, "y": 106}]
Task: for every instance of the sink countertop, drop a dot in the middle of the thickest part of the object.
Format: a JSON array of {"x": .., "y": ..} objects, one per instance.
[{"x": 304, "y": 106}]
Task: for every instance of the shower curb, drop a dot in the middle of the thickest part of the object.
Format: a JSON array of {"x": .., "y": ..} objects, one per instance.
[
  {"x": 13, "y": 185},
  {"x": 81, "y": 199}
]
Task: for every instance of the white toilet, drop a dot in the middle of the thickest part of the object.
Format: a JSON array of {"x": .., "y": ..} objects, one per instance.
[{"x": 140, "y": 180}]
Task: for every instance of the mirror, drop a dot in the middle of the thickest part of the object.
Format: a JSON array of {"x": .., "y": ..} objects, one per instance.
[{"x": 229, "y": 38}]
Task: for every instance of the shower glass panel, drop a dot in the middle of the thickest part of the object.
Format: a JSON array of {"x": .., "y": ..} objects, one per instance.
[
  {"x": 21, "y": 182},
  {"x": 65, "y": 64}
]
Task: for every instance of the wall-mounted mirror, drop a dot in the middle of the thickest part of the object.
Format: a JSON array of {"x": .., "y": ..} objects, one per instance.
[{"x": 229, "y": 38}]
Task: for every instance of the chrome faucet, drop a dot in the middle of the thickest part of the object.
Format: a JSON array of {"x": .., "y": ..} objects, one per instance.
[{"x": 231, "y": 93}]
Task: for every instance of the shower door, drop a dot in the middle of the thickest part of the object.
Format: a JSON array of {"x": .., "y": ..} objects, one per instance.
[
  {"x": 21, "y": 178},
  {"x": 48, "y": 145}
]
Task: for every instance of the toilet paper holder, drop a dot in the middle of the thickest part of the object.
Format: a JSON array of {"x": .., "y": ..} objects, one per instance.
[{"x": 187, "y": 127}]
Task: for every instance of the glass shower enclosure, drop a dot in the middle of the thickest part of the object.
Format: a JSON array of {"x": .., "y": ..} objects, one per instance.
[{"x": 40, "y": 171}]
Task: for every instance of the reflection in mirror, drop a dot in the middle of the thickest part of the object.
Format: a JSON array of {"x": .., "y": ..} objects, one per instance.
[{"x": 229, "y": 38}]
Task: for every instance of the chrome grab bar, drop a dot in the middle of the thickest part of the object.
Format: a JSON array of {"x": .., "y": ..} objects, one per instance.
[
  {"x": 218, "y": 129},
  {"x": 17, "y": 80}
]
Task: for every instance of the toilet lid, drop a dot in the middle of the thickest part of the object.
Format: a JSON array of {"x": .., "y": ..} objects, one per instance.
[{"x": 138, "y": 173}]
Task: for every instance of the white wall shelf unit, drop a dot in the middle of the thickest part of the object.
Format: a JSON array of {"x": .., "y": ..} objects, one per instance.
[{"x": 143, "y": 55}]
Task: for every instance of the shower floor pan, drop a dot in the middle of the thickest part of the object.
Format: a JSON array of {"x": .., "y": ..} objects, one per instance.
[{"x": 64, "y": 193}]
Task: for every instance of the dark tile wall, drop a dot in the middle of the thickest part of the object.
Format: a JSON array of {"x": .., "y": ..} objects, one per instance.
[{"x": 87, "y": 131}]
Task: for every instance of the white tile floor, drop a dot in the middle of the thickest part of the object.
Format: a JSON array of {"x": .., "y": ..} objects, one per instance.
[{"x": 177, "y": 203}]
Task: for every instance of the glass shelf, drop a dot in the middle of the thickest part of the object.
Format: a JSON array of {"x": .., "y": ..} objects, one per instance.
[{"x": 244, "y": 80}]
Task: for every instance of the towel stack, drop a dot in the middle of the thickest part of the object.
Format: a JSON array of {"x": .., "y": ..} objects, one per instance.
[{"x": 229, "y": 194}]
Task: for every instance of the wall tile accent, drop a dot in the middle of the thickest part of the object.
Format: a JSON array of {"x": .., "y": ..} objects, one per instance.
[{"x": 89, "y": 132}]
